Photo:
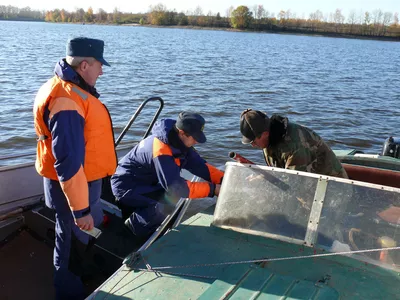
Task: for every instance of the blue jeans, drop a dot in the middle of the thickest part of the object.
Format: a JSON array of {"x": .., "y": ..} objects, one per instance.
[{"x": 67, "y": 284}]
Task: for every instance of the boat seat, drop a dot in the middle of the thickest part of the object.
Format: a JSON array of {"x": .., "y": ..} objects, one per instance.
[{"x": 373, "y": 175}]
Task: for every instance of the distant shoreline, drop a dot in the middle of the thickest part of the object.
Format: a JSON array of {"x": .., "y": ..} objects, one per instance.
[{"x": 289, "y": 32}]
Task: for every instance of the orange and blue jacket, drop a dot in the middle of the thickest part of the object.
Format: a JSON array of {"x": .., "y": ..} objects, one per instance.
[
  {"x": 155, "y": 164},
  {"x": 75, "y": 137}
]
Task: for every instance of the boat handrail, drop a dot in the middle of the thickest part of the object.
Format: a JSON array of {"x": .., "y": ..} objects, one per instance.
[
  {"x": 135, "y": 115},
  {"x": 122, "y": 134},
  {"x": 367, "y": 155},
  {"x": 122, "y": 146}
]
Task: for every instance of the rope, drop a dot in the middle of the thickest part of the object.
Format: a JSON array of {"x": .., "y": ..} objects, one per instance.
[
  {"x": 177, "y": 274},
  {"x": 115, "y": 285},
  {"x": 156, "y": 270},
  {"x": 149, "y": 268}
]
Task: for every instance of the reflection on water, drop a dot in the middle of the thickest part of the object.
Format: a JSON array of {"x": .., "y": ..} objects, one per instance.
[{"x": 344, "y": 89}]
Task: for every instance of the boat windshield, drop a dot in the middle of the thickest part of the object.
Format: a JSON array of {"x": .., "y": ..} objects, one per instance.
[{"x": 324, "y": 212}]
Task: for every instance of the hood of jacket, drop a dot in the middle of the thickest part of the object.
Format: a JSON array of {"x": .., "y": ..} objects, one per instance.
[
  {"x": 278, "y": 129},
  {"x": 164, "y": 130}
]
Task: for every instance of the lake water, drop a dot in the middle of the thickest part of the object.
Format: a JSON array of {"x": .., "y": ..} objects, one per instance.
[{"x": 347, "y": 90}]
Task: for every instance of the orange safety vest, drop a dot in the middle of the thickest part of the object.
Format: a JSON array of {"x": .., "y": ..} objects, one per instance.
[{"x": 100, "y": 155}]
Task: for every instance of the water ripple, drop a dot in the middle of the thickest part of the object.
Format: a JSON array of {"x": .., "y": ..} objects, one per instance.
[{"x": 344, "y": 89}]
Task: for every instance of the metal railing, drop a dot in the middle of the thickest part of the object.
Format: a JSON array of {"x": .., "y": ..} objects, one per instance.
[
  {"x": 122, "y": 134},
  {"x": 136, "y": 114}
]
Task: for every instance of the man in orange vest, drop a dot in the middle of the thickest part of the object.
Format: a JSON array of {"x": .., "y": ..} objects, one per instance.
[{"x": 75, "y": 150}]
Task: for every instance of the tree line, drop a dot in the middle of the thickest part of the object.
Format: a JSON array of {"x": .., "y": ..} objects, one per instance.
[
  {"x": 22, "y": 14},
  {"x": 100, "y": 17},
  {"x": 61, "y": 15},
  {"x": 376, "y": 23}
]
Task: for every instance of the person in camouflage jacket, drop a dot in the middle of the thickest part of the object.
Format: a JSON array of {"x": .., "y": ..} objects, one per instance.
[{"x": 289, "y": 145}]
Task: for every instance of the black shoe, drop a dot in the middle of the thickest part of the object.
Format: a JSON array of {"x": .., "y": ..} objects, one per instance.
[{"x": 129, "y": 226}]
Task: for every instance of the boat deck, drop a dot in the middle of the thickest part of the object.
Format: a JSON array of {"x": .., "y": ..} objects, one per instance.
[
  {"x": 195, "y": 243},
  {"x": 26, "y": 270},
  {"x": 26, "y": 254}
]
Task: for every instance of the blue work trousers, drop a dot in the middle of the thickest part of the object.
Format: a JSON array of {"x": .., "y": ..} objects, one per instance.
[
  {"x": 67, "y": 284},
  {"x": 146, "y": 212}
]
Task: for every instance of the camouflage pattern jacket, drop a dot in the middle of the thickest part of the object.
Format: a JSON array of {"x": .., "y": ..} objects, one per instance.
[{"x": 295, "y": 147}]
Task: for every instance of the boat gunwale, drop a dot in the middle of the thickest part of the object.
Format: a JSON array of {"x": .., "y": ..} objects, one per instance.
[{"x": 318, "y": 176}]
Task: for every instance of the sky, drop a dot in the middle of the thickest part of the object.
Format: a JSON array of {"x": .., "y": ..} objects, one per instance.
[{"x": 297, "y": 6}]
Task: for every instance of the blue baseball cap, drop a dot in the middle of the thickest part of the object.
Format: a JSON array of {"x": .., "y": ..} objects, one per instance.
[
  {"x": 192, "y": 124},
  {"x": 86, "y": 47}
]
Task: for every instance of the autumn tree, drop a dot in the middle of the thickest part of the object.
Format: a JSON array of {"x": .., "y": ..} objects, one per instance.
[
  {"x": 79, "y": 15},
  {"x": 338, "y": 19},
  {"x": 24, "y": 12},
  {"x": 387, "y": 19},
  {"x": 241, "y": 17},
  {"x": 281, "y": 17},
  {"x": 116, "y": 16},
  {"x": 64, "y": 15},
  {"x": 261, "y": 12},
  {"x": 101, "y": 15},
  {"x": 158, "y": 14},
  {"x": 396, "y": 19},
  {"x": 182, "y": 19},
  {"x": 56, "y": 17},
  {"x": 89, "y": 16},
  {"x": 210, "y": 19},
  {"x": 352, "y": 19},
  {"x": 315, "y": 19},
  {"x": 367, "y": 22},
  {"x": 48, "y": 16},
  {"x": 367, "y": 18}
]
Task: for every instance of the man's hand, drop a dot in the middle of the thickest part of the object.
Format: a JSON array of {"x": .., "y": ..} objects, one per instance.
[
  {"x": 217, "y": 188},
  {"x": 85, "y": 223}
]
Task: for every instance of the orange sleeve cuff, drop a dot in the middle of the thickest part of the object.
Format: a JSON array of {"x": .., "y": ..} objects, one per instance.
[
  {"x": 199, "y": 189},
  {"x": 215, "y": 174},
  {"x": 76, "y": 191}
]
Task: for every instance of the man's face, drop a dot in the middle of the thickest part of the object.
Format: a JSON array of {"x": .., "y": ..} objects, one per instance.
[
  {"x": 90, "y": 71},
  {"x": 188, "y": 140},
  {"x": 262, "y": 141}
]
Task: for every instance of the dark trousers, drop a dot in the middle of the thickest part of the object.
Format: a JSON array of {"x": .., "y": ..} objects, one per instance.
[
  {"x": 146, "y": 212},
  {"x": 67, "y": 284}
]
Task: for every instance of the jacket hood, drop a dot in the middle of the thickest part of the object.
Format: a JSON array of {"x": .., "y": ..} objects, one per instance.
[
  {"x": 162, "y": 128},
  {"x": 165, "y": 132},
  {"x": 65, "y": 72},
  {"x": 278, "y": 129}
]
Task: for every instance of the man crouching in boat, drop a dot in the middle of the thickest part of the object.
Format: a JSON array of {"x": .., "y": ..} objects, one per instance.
[
  {"x": 148, "y": 177},
  {"x": 71, "y": 123},
  {"x": 289, "y": 145}
]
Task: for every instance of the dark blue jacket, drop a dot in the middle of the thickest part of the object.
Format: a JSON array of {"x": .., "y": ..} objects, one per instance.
[{"x": 155, "y": 164}]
